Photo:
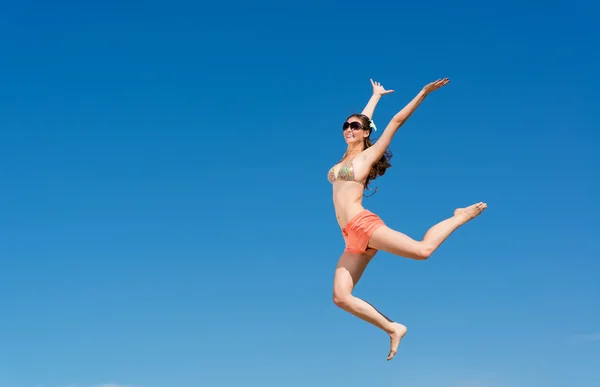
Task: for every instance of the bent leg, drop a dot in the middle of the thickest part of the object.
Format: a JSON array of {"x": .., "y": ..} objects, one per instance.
[
  {"x": 394, "y": 242},
  {"x": 347, "y": 274},
  {"x": 349, "y": 270}
]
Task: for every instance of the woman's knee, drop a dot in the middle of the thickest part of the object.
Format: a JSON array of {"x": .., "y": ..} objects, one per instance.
[
  {"x": 423, "y": 251},
  {"x": 341, "y": 297},
  {"x": 342, "y": 300},
  {"x": 348, "y": 272}
]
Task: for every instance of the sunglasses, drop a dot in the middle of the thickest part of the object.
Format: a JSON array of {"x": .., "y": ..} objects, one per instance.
[{"x": 353, "y": 125}]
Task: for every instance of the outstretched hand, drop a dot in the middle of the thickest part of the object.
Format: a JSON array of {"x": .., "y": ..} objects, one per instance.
[
  {"x": 435, "y": 85},
  {"x": 378, "y": 89}
]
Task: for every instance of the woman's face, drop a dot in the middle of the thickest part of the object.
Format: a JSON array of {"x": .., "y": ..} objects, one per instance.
[{"x": 354, "y": 131}]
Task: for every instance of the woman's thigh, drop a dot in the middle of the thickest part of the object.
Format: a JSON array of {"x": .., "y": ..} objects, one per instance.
[
  {"x": 397, "y": 243},
  {"x": 349, "y": 270}
]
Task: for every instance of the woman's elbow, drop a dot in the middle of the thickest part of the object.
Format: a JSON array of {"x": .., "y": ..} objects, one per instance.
[{"x": 398, "y": 120}]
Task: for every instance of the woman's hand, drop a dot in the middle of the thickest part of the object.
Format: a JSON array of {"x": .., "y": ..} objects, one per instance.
[
  {"x": 378, "y": 89},
  {"x": 435, "y": 85}
]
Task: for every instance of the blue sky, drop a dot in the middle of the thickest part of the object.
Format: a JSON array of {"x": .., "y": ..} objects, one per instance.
[{"x": 167, "y": 220}]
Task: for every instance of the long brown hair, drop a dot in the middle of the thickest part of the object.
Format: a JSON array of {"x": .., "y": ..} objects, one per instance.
[{"x": 379, "y": 168}]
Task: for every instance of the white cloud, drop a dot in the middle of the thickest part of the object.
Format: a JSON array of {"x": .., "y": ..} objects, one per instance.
[
  {"x": 587, "y": 337},
  {"x": 469, "y": 383},
  {"x": 474, "y": 383},
  {"x": 111, "y": 385},
  {"x": 483, "y": 381},
  {"x": 104, "y": 385},
  {"x": 593, "y": 336}
]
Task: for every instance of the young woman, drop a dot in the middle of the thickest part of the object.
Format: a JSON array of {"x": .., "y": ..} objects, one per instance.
[{"x": 363, "y": 231}]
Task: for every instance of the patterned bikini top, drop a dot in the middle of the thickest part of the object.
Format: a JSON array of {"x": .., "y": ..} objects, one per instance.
[{"x": 346, "y": 173}]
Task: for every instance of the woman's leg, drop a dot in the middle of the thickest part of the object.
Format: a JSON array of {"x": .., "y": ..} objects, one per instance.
[
  {"x": 348, "y": 272},
  {"x": 394, "y": 242}
]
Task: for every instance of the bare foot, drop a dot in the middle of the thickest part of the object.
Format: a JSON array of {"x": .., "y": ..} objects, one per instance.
[
  {"x": 468, "y": 213},
  {"x": 395, "y": 337}
]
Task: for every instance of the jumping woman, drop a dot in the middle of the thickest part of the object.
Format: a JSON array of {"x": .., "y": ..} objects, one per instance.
[{"x": 363, "y": 231}]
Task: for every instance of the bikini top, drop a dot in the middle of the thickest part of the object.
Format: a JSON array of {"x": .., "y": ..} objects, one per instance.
[{"x": 346, "y": 173}]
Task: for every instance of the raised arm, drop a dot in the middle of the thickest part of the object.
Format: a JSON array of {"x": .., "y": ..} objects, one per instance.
[
  {"x": 375, "y": 152},
  {"x": 378, "y": 91}
]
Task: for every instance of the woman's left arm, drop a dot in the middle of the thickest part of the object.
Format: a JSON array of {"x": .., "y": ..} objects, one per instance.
[
  {"x": 378, "y": 92},
  {"x": 374, "y": 153}
]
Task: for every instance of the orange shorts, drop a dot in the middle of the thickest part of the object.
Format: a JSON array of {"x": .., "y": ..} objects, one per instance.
[{"x": 359, "y": 229}]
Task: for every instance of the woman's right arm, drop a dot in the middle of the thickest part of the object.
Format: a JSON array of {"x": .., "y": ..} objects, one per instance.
[{"x": 378, "y": 92}]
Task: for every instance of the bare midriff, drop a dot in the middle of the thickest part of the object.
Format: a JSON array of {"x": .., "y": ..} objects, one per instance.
[{"x": 347, "y": 200}]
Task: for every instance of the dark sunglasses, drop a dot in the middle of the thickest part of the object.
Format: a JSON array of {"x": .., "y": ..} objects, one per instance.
[{"x": 353, "y": 125}]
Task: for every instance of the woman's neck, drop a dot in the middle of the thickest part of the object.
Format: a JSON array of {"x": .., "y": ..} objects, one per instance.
[{"x": 353, "y": 150}]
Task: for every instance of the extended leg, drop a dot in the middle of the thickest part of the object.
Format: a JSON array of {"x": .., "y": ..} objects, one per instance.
[
  {"x": 348, "y": 272},
  {"x": 394, "y": 242}
]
